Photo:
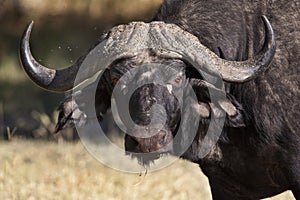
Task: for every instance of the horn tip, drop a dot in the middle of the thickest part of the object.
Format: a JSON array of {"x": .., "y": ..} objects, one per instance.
[
  {"x": 30, "y": 25},
  {"x": 267, "y": 24},
  {"x": 27, "y": 31}
]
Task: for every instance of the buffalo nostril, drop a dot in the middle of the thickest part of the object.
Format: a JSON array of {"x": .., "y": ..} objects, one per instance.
[
  {"x": 153, "y": 99},
  {"x": 131, "y": 143},
  {"x": 163, "y": 137}
]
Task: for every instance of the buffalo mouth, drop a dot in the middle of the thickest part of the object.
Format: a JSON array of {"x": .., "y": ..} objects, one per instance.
[{"x": 149, "y": 149}]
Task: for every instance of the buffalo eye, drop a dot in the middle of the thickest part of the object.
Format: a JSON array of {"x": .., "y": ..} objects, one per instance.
[
  {"x": 178, "y": 80},
  {"x": 114, "y": 80}
]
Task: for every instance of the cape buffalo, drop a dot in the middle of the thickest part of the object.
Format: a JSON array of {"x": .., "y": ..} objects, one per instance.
[{"x": 258, "y": 153}]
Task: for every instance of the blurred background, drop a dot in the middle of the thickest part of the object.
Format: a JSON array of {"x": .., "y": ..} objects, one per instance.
[
  {"x": 63, "y": 31},
  {"x": 35, "y": 163}
]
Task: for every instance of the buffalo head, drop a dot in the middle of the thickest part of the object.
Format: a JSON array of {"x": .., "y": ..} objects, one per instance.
[{"x": 166, "y": 57}]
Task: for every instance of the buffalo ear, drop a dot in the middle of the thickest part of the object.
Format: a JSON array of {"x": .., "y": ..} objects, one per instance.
[
  {"x": 234, "y": 111},
  {"x": 202, "y": 109},
  {"x": 69, "y": 115},
  {"x": 205, "y": 107}
]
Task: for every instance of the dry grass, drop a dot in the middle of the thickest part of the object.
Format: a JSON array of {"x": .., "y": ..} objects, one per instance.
[{"x": 38, "y": 170}]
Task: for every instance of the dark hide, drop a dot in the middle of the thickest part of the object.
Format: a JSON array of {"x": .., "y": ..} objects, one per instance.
[
  {"x": 258, "y": 154},
  {"x": 262, "y": 159}
]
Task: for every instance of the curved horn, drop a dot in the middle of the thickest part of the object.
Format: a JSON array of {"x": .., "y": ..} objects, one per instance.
[
  {"x": 178, "y": 43},
  {"x": 242, "y": 71},
  {"x": 169, "y": 40},
  {"x": 50, "y": 79}
]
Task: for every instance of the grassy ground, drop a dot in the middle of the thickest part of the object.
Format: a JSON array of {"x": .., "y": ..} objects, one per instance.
[{"x": 43, "y": 170}]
